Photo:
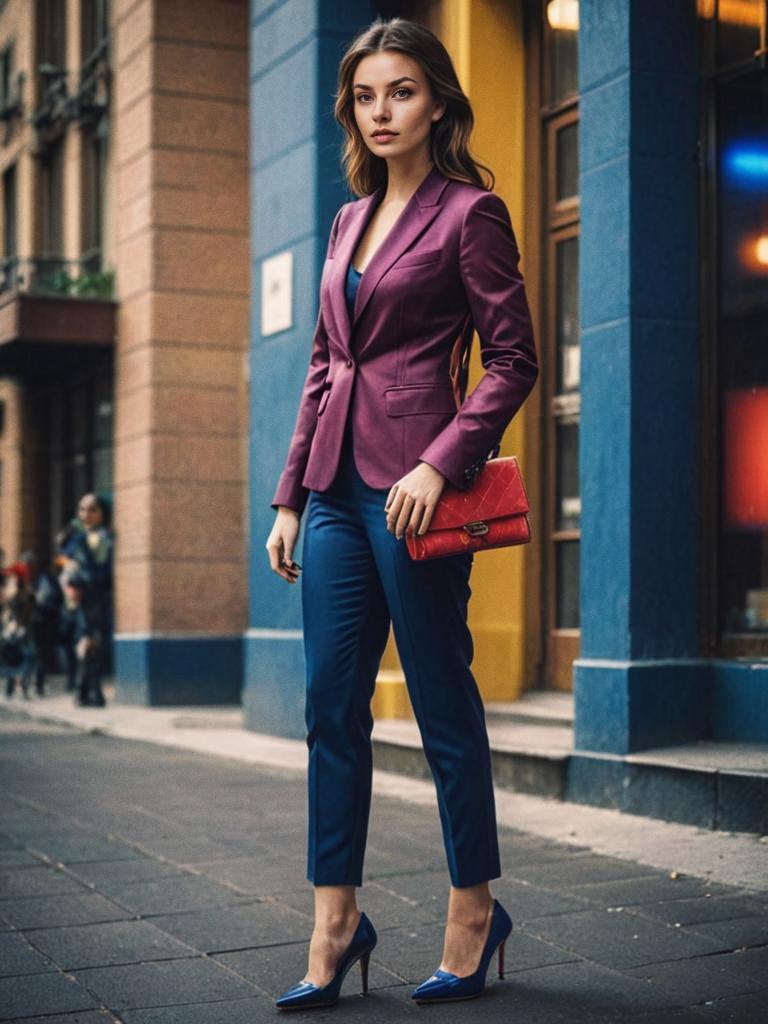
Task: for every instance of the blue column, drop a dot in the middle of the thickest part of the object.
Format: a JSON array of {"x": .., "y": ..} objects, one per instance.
[
  {"x": 296, "y": 188},
  {"x": 639, "y": 681}
]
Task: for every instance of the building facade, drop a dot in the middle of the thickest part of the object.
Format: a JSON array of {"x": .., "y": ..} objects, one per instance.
[{"x": 170, "y": 172}]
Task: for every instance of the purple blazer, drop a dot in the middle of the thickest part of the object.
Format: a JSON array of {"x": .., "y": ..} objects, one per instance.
[{"x": 451, "y": 253}]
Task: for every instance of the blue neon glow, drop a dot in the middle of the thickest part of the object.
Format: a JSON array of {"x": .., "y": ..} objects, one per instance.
[{"x": 747, "y": 163}]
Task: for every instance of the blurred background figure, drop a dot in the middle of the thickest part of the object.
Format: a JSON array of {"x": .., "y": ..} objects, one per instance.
[
  {"x": 16, "y": 613},
  {"x": 43, "y": 628},
  {"x": 85, "y": 553}
]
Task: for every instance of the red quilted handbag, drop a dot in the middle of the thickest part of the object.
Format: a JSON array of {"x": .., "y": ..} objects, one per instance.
[{"x": 492, "y": 513}]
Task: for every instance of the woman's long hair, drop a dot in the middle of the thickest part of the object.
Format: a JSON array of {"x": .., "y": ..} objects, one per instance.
[{"x": 449, "y": 140}]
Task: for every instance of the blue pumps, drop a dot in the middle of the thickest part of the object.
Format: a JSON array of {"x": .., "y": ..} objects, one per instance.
[
  {"x": 444, "y": 987},
  {"x": 304, "y": 994}
]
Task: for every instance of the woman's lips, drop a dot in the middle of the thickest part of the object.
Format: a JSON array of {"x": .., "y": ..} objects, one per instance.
[{"x": 385, "y": 137}]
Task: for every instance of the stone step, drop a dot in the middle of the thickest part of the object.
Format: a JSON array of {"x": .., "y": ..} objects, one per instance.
[
  {"x": 714, "y": 785},
  {"x": 526, "y": 758},
  {"x": 536, "y": 707}
]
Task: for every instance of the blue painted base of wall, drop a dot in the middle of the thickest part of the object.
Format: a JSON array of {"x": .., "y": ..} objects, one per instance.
[
  {"x": 163, "y": 670},
  {"x": 727, "y": 800},
  {"x": 621, "y": 707},
  {"x": 739, "y": 708},
  {"x": 274, "y": 685}
]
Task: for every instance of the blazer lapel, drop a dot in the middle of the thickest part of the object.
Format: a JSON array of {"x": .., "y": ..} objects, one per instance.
[{"x": 415, "y": 217}]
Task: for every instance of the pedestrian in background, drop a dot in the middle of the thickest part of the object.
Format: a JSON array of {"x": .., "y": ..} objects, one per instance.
[
  {"x": 16, "y": 612},
  {"x": 44, "y": 624},
  {"x": 86, "y": 552},
  {"x": 377, "y": 435}
]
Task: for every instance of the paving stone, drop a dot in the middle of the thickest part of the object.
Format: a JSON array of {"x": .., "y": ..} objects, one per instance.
[
  {"x": 81, "y": 846},
  {"x": 747, "y": 1009},
  {"x": 50, "y": 993},
  {"x": 228, "y": 1011},
  {"x": 620, "y": 939},
  {"x": 648, "y": 890},
  {"x": 524, "y": 902},
  {"x": 106, "y": 874},
  {"x": 736, "y": 932},
  {"x": 16, "y": 857},
  {"x": 191, "y": 850},
  {"x": 694, "y": 981},
  {"x": 253, "y": 924},
  {"x": 257, "y": 876},
  {"x": 688, "y": 1016},
  {"x": 578, "y": 991},
  {"x": 700, "y": 910},
  {"x": 79, "y": 1017},
  {"x": 577, "y": 869},
  {"x": 385, "y": 863},
  {"x": 751, "y": 962},
  {"x": 173, "y": 895},
  {"x": 165, "y": 983},
  {"x": 18, "y": 957},
  {"x": 275, "y": 968},
  {"x": 53, "y": 911},
  {"x": 115, "y": 942},
  {"x": 36, "y": 881}
]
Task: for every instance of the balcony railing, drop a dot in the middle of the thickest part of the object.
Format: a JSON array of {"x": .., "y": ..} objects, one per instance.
[{"x": 53, "y": 276}]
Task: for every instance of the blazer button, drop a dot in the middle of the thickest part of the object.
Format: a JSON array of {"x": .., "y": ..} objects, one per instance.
[{"x": 349, "y": 362}]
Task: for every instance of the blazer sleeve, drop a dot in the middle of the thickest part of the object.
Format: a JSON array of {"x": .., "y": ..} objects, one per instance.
[
  {"x": 495, "y": 290},
  {"x": 289, "y": 490}
]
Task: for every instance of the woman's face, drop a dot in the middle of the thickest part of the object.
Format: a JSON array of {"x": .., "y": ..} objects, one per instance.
[
  {"x": 391, "y": 91},
  {"x": 89, "y": 511}
]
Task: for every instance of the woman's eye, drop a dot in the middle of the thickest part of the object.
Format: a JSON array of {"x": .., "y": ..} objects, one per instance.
[{"x": 403, "y": 88}]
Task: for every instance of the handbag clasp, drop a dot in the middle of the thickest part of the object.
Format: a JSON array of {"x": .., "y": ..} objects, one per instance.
[{"x": 477, "y": 528}]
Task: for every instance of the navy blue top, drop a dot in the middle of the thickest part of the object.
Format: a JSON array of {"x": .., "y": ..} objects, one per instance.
[{"x": 353, "y": 280}]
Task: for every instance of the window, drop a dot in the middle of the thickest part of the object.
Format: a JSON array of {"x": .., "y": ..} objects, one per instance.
[
  {"x": 6, "y": 77},
  {"x": 93, "y": 170},
  {"x": 94, "y": 28},
  {"x": 8, "y": 274},
  {"x": 736, "y": 318}
]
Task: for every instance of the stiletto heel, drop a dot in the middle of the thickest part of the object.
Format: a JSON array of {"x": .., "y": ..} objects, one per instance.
[
  {"x": 364, "y": 970},
  {"x": 304, "y": 994},
  {"x": 444, "y": 987}
]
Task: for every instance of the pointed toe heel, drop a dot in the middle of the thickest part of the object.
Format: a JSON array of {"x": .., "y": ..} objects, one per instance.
[
  {"x": 444, "y": 987},
  {"x": 304, "y": 994}
]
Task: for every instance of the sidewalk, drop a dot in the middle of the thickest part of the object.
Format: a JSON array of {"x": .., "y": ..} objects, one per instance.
[{"x": 152, "y": 870}]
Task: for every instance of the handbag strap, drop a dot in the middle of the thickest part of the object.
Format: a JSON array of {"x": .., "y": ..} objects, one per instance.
[{"x": 459, "y": 373}]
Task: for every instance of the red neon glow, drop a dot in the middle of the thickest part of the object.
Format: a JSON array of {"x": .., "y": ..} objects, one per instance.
[{"x": 745, "y": 458}]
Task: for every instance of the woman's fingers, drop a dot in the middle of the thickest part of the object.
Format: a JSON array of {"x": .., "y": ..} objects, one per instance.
[
  {"x": 277, "y": 547},
  {"x": 426, "y": 519}
]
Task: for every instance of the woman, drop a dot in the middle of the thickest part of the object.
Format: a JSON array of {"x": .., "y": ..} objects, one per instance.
[{"x": 377, "y": 435}]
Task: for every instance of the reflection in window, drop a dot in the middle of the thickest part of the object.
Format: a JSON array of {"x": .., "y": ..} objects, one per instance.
[
  {"x": 743, "y": 352},
  {"x": 563, "y": 21},
  {"x": 568, "y": 161}
]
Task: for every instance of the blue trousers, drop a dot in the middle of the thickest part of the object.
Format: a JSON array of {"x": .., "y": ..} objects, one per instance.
[{"x": 356, "y": 577}]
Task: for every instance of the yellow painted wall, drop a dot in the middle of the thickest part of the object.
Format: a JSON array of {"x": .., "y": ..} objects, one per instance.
[{"x": 485, "y": 40}]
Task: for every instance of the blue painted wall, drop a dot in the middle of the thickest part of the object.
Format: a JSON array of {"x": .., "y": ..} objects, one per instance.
[
  {"x": 639, "y": 681},
  {"x": 296, "y": 188}
]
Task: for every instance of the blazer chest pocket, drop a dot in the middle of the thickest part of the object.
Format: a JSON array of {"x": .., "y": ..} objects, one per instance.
[
  {"x": 418, "y": 258},
  {"x": 412, "y": 399}
]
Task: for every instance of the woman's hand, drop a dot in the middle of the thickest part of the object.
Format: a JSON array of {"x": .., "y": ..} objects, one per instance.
[
  {"x": 411, "y": 500},
  {"x": 281, "y": 542}
]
